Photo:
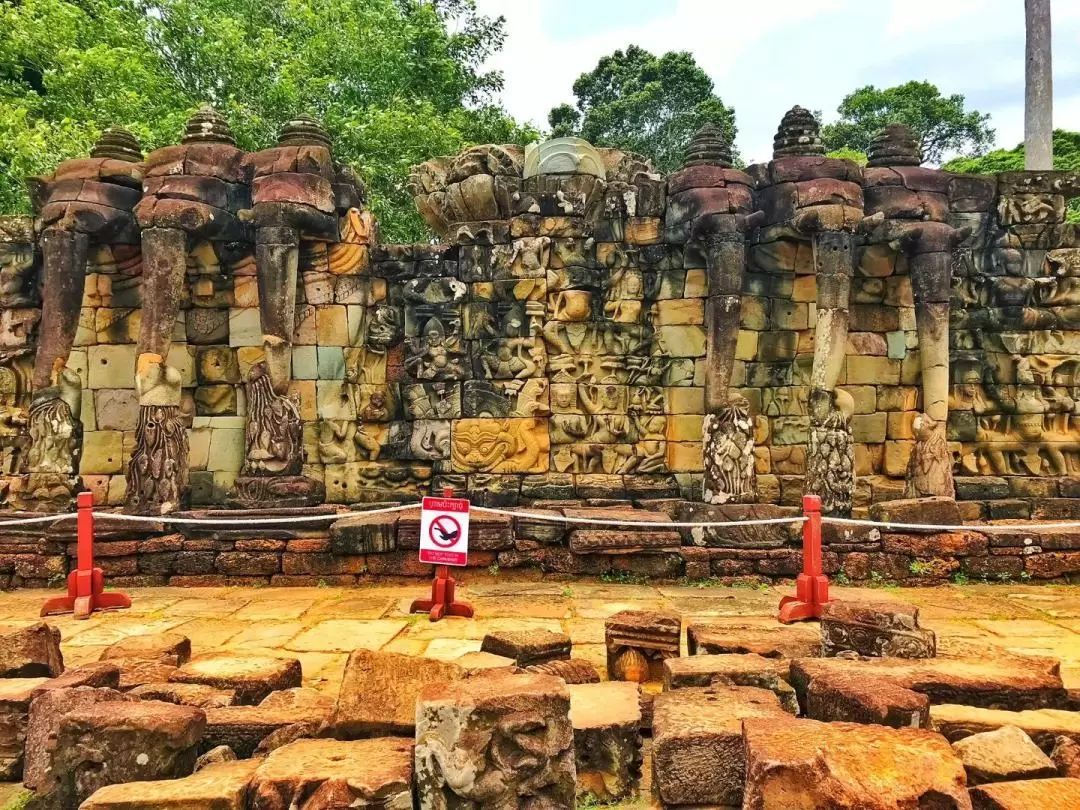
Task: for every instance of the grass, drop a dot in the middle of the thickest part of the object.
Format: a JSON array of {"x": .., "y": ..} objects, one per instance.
[
  {"x": 621, "y": 577},
  {"x": 19, "y": 801}
]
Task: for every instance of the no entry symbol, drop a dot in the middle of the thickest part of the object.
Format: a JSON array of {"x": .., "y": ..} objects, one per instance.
[{"x": 445, "y": 531}]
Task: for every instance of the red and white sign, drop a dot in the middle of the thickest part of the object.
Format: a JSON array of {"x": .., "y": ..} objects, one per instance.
[{"x": 444, "y": 531}]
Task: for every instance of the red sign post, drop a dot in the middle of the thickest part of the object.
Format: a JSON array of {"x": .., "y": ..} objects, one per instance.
[
  {"x": 86, "y": 584},
  {"x": 811, "y": 586},
  {"x": 444, "y": 541}
]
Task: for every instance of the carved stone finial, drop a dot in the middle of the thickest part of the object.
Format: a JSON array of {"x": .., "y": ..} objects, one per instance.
[
  {"x": 118, "y": 144},
  {"x": 207, "y": 125},
  {"x": 708, "y": 146},
  {"x": 895, "y": 145},
  {"x": 799, "y": 134},
  {"x": 303, "y": 131}
]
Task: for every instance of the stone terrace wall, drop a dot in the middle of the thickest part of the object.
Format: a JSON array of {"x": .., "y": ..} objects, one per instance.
[{"x": 554, "y": 347}]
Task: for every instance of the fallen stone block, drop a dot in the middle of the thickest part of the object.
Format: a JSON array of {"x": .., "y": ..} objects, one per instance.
[
  {"x": 854, "y": 698},
  {"x": 102, "y": 674},
  {"x": 1066, "y": 757},
  {"x": 479, "y": 663},
  {"x": 379, "y": 690},
  {"x": 1003, "y": 755},
  {"x": 186, "y": 694},
  {"x": 1027, "y": 795},
  {"x": 170, "y": 648},
  {"x": 939, "y": 511},
  {"x": 528, "y": 646},
  {"x": 43, "y": 724},
  {"x": 124, "y": 741},
  {"x": 31, "y": 652},
  {"x": 221, "y": 786},
  {"x": 364, "y": 534},
  {"x": 15, "y": 697},
  {"x": 252, "y": 677},
  {"x": 215, "y": 756},
  {"x": 335, "y": 773},
  {"x": 301, "y": 697},
  {"x": 1013, "y": 682},
  {"x": 846, "y": 766},
  {"x": 698, "y": 754},
  {"x": 733, "y": 670},
  {"x": 141, "y": 671},
  {"x": 495, "y": 741},
  {"x": 795, "y": 641},
  {"x": 1044, "y": 726},
  {"x": 875, "y": 629},
  {"x": 607, "y": 739},
  {"x": 243, "y": 728},
  {"x": 638, "y": 642},
  {"x": 574, "y": 670}
]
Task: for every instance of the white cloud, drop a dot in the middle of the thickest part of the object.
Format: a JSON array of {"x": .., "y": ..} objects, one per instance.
[{"x": 767, "y": 55}]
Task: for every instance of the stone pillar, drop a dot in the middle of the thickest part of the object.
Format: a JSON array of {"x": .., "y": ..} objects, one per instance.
[
  {"x": 820, "y": 198},
  {"x": 157, "y": 478},
  {"x": 906, "y": 207},
  {"x": 1038, "y": 87},
  {"x": 192, "y": 196},
  {"x": 724, "y": 198},
  {"x": 85, "y": 203}
]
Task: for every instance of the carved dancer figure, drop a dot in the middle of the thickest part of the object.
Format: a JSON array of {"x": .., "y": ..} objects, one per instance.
[
  {"x": 906, "y": 207},
  {"x": 85, "y": 202},
  {"x": 727, "y": 432},
  {"x": 293, "y": 196},
  {"x": 191, "y": 196},
  {"x": 820, "y": 198}
]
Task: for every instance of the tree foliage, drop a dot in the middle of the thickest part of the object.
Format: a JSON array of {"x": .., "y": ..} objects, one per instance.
[
  {"x": 1066, "y": 157},
  {"x": 643, "y": 103},
  {"x": 393, "y": 81},
  {"x": 943, "y": 124}
]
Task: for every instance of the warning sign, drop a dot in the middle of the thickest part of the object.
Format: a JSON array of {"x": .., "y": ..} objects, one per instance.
[{"x": 444, "y": 531}]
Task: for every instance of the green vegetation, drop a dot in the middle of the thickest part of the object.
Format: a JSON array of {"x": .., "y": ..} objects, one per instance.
[
  {"x": 621, "y": 577},
  {"x": 393, "y": 81},
  {"x": 493, "y": 569},
  {"x": 20, "y": 801},
  {"x": 639, "y": 102},
  {"x": 842, "y": 579},
  {"x": 942, "y": 123},
  {"x": 920, "y": 567}
]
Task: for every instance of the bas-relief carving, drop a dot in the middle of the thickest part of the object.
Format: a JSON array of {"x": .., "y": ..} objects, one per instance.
[
  {"x": 728, "y": 452},
  {"x": 830, "y": 455},
  {"x": 157, "y": 476},
  {"x": 500, "y": 445}
]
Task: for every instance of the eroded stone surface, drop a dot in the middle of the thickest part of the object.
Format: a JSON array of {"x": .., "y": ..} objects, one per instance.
[
  {"x": 876, "y": 629},
  {"x": 1026, "y": 794},
  {"x": 638, "y": 642},
  {"x": 495, "y": 741},
  {"x": 31, "y": 652},
  {"x": 222, "y": 786},
  {"x": 252, "y": 677},
  {"x": 1044, "y": 726},
  {"x": 332, "y": 773},
  {"x": 858, "y": 698},
  {"x": 244, "y": 728},
  {"x": 808, "y": 764},
  {"x": 734, "y": 670},
  {"x": 170, "y": 648},
  {"x": 528, "y": 647},
  {"x": 698, "y": 752},
  {"x": 186, "y": 694},
  {"x": 795, "y": 641},
  {"x": 15, "y": 697},
  {"x": 1002, "y": 755},
  {"x": 607, "y": 739}
]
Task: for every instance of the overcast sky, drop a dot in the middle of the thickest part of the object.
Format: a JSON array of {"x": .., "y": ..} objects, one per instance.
[{"x": 765, "y": 56}]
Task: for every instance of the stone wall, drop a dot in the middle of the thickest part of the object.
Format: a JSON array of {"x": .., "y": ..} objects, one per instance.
[{"x": 554, "y": 346}]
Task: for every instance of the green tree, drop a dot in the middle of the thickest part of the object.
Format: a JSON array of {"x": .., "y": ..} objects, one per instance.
[
  {"x": 394, "y": 81},
  {"x": 1066, "y": 157},
  {"x": 643, "y": 103},
  {"x": 943, "y": 124}
]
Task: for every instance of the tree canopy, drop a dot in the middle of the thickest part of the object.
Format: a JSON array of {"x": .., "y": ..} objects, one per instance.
[
  {"x": 1066, "y": 157},
  {"x": 393, "y": 81},
  {"x": 643, "y": 103},
  {"x": 943, "y": 123}
]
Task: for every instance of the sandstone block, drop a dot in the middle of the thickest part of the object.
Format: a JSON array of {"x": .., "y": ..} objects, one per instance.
[
  {"x": 98, "y": 674},
  {"x": 1027, "y": 795},
  {"x": 332, "y": 773},
  {"x": 15, "y": 697},
  {"x": 31, "y": 652},
  {"x": 528, "y": 646},
  {"x": 698, "y": 751},
  {"x": 607, "y": 739},
  {"x": 121, "y": 741},
  {"x": 846, "y": 766},
  {"x": 938, "y": 510},
  {"x": 379, "y": 691},
  {"x": 171, "y": 648},
  {"x": 573, "y": 671},
  {"x": 638, "y": 642},
  {"x": 855, "y": 698},
  {"x": 252, "y": 677},
  {"x": 244, "y": 728},
  {"x": 1044, "y": 726},
  {"x": 1066, "y": 757},
  {"x": 499, "y": 740},
  {"x": 875, "y": 629},
  {"x": 364, "y": 534},
  {"x": 794, "y": 641},
  {"x": 222, "y": 786},
  {"x": 1002, "y": 756},
  {"x": 186, "y": 694},
  {"x": 732, "y": 670}
]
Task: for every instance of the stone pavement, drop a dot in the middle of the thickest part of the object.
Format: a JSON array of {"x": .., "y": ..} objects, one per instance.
[{"x": 320, "y": 626}]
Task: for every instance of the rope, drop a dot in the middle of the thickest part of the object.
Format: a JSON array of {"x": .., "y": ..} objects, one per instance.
[
  {"x": 385, "y": 510},
  {"x": 969, "y": 527},
  {"x": 42, "y": 519},
  {"x": 648, "y": 524}
]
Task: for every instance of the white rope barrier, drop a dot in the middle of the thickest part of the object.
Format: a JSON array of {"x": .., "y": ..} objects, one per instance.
[
  {"x": 969, "y": 527},
  {"x": 648, "y": 524},
  {"x": 251, "y": 521},
  {"x": 30, "y": 520}
]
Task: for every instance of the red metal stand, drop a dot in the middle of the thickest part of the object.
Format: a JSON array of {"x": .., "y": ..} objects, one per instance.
[
  {"x": 442, "y": 601},
  {"x": 86, "y": 583},
  {"x": 811, "y": 586}
]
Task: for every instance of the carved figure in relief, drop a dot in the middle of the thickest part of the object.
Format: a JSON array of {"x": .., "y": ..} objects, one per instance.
[
  {"x": 382, "y": 332},
  {"x": 500, "y": 445},
  {"x": 729, "y": 454},
  {"x": 430, "y": 356},
  {"x": 157, "y": 480},
  {"x": 830, "y": 457},
  {"x": 273, "y": 432},
  {"x": 929, "y": 469}
]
